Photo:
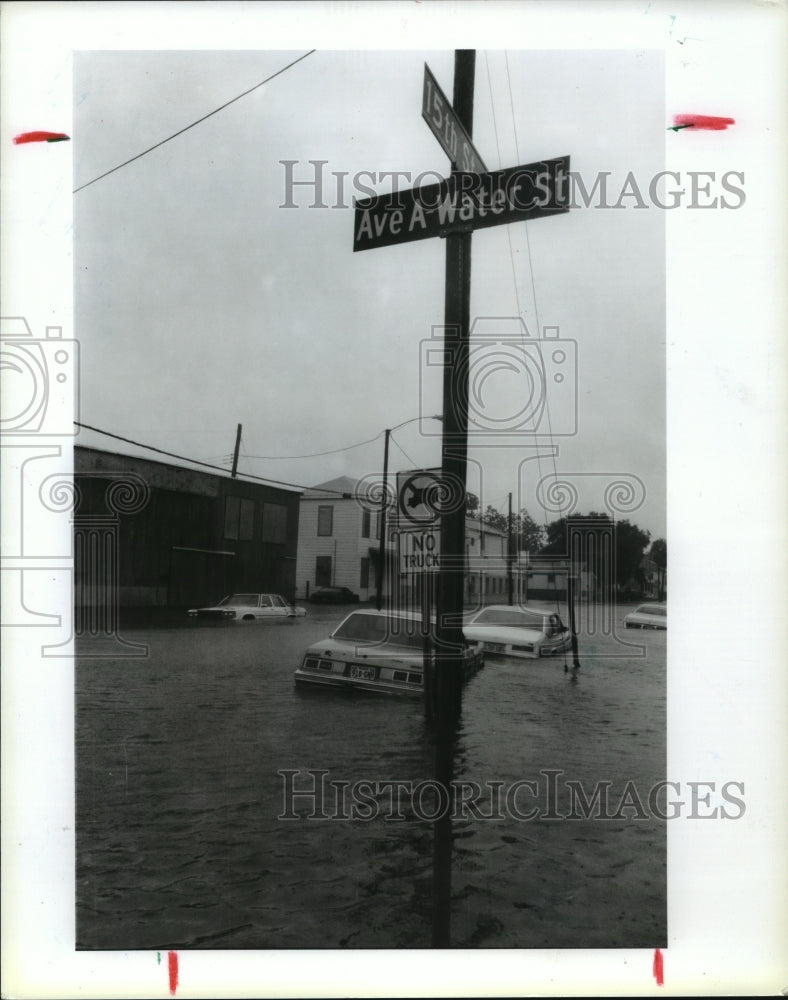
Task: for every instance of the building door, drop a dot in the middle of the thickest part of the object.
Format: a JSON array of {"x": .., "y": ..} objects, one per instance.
[{"x": 323, "y": 571}]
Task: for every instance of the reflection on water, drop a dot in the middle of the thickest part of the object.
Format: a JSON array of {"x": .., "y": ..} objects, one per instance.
[{"x": 180, "y": 790}]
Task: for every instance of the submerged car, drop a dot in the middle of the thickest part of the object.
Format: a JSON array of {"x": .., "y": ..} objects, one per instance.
[
  {"x": 376, "y": 651},
  {"x": 648, "y": 616},
  {"x": 518, "y": 631},
  {"x": 248, "y": 608},
  {"x": 333, "y": 595}
]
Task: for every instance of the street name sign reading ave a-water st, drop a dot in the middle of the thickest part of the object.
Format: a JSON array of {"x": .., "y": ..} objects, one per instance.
[
  {"x": 447, "y": 127},
  {"x": 463, "y": 202}
]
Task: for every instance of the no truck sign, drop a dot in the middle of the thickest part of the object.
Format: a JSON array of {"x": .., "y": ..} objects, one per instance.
[{"x": 419, "y": 551}]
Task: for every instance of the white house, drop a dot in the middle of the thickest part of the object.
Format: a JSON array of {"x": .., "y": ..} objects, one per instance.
[
  {"x": 486, "y": 579},
  {"x": 338, "y": 539},
  {"x": 545, "y": 577},
  {"x": 339, "y": 544}
]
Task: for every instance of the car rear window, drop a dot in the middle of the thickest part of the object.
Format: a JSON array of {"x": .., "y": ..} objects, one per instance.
[
  {"x": 374, "y": 628},
  {"x": 242, "y": 600}
]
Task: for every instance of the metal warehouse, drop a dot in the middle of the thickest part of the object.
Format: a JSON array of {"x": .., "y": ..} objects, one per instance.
[{"x": 150, "y": 534}]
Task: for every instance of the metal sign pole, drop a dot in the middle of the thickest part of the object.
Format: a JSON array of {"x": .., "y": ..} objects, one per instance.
[
  {"x": 449, "y": 637},
  {"x": 455, "y": 429}
]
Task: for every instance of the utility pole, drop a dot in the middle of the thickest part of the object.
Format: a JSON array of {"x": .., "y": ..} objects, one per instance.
[
  {"x": 380, "y": 569},
  {"x": 510, "y": 554},
  {"x": 571, "y": 591},
  {"x": 237, "y": 449}
]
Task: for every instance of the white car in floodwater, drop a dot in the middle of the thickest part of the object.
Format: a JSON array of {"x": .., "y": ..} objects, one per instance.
[
  {"x": 375, "y": 651},
  {"x": 518, "y": 631},
  {"x": 248, "y": 608}
]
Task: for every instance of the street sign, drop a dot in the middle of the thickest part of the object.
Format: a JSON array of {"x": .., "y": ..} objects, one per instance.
[
  {"x": 447, "y": 128},
  {"x": 462, "y": 203},
  {"x": 419, "y": 551},
  {"x": 418, "y": 495}
]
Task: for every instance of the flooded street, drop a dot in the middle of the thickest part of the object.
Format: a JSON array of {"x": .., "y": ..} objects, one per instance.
[{"x": 180, "y": 790}]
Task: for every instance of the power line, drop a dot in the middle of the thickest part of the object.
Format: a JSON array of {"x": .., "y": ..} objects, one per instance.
[
  {"x": 500, "y": 164},
  {"x": 316, "y": 454},
  {"x": 199, "y": 120},
  {"x": 413, "y": 464},
  {"x": 195, "y": 461}
]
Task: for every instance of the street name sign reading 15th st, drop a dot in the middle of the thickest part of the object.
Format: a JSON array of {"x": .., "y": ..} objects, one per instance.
[
  {"x": 462, "y": 203},
  {"x": 447, "y": 127}
]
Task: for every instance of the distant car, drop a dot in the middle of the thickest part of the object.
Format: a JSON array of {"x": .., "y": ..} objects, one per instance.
[
  {"x": 518, "y": 631},
  {"x": 333, "y": 595},
  {"x": 648, "y": 616},
  {"x": 248, "y": 608},
  {"x": 375, "y": 651}
]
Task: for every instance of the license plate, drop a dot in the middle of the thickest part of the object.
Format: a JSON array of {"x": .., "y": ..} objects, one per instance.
[
  {"x": 495, "y": 647},
  {"x": 362, "y": 673}
]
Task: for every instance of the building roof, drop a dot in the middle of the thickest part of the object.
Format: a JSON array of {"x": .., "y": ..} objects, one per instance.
[
  {"x": 87, "y": 457},
  {"x": 342, "y": 484},
  {"x": 473, "y": 522}
]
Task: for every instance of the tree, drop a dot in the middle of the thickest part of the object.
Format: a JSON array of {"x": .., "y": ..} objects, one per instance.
[
  {"x": 529, "y": 533},
  {"x": 659, "y": 553},
  {"x": 495, "y": 519},
  {"x": 526, "y": 533},
  {"x": 630, "y": 543},
  {"x": 557, "y": 531},
  {"x": 471, "y": 505}
]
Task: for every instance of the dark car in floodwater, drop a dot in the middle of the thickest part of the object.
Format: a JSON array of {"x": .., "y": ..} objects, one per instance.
[{"x": 334, "y": 595}]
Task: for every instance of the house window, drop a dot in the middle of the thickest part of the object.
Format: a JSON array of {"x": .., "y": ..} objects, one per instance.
[
  {"x": 238, "y": 518},
  {"x": 323, "y": 571},
  {"x": 364, "y": 580},
  {"x": 551, "y": 577},
  {"x": 366, "y": 517},
  {"x": 325, "y": 521},
  {"x": 377, "y": 526},
  {"x": 274, "y": 522}
]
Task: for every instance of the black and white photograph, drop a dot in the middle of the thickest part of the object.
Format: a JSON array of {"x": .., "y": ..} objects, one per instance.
[
  {"x": 237, "y": 786},
  {"x": 355, "y": 468}
]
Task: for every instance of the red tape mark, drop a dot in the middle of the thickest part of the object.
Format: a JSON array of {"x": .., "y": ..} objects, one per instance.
[
  {"x": 703, "y": 122},
  {"x": 657, "y": 968},
  {"x": 41, "y": 137},
  {"x": 172, "y": 962}
]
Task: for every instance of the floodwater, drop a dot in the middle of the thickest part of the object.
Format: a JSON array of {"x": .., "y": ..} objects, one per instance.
[{"x": 180, "y": 794}]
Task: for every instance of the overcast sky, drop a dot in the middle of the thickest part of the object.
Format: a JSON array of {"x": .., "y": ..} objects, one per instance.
[{"x": 200, "y": 303}]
